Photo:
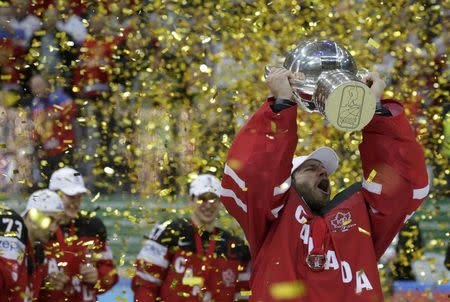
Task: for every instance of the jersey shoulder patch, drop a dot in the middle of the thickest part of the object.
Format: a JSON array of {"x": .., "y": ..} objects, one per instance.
[{"x": 13, "y": 235}]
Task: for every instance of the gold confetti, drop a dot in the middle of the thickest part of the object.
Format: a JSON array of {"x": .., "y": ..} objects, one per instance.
[
  {"x": 193, "y": 281},
  {"x": 361, "y": 230},
  {"x": 373, "y": 43},
  {"x": 372, "y": 175},
  {"x": 96, "y": 197},
  {"x": 287, "y": 290},
  {"x": 186, "y": 89}
]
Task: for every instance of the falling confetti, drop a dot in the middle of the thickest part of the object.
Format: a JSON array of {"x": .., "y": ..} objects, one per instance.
[
  {"x": 287, "y": 290},
  {"x": 189, "y": 75},
  {"x": 372, "y": 175}
]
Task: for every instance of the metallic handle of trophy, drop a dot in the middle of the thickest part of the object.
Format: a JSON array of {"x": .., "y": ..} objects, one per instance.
[
  {"x": 302, "y": 99},
  {"x": 361, "y": 74}
]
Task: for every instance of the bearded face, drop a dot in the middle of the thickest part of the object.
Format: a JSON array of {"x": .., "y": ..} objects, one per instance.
[{"x": 312, "y": 183}]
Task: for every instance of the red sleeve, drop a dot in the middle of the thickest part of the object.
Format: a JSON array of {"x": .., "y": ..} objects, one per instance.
[
  {"x": 152, "y": 264},
  {"x": 13, "y": 246},
  {"x": 10, "y": 264},
  {"x": 107, "y": 273},
  {"x": 69, "y": 110},
  {"x": 395, "y": 176},
  {"x": 257, "y": 171}
]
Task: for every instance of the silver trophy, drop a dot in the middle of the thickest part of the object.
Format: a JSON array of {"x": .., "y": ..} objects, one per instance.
[{"x": 332, "y": 86}]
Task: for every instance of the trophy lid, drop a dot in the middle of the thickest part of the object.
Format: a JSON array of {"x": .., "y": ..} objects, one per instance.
[{"x": 314, "y": 57}]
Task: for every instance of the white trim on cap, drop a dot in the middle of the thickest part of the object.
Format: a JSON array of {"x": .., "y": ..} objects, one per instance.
[
  {"x": 228, "y": 171},
  {"x": 148, "y": 277},
  {"x": 283, "y": 187},
  {"x": 421, "y": 193},
  {"x": 229, "y": 193},
  {"x": 372, "y": 187}
]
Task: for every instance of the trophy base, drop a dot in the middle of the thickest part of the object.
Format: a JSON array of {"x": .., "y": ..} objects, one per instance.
[{"x": 350, "y": 106}]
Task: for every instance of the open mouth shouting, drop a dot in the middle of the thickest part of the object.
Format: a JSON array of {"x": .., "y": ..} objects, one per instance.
[{"x": 324, "y": 186}]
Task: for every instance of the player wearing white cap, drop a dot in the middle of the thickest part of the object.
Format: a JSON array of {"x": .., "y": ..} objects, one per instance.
[
  {"x": 21, "y": 250},
  {"x": 80, "y": 245},
  {"x": 298, "y": 234},
  {"x": 191, "y": 259}
]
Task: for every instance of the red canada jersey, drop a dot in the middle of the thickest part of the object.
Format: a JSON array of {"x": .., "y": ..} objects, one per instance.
[
  {"x": 13, "y": 247},
  {"x": 92, "y": 75},
  {"x": 355, "y": 228},
  {"x": 94, "y": 71},
  {"x": 53, "y": 122},
  {"x": 21, "y": 268},
  {"x": 83, "y": 241},
  {"x": 12, "y": 70},
  {"x": 181, "y": 263}
]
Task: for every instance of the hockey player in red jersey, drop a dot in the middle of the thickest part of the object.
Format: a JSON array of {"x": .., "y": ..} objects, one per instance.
[
  {"x": 80, "y": 248},
  {"x": 191, "y": 259},
  {"x": 21, "y": 250},
  {"x": 297, "y": 235}
]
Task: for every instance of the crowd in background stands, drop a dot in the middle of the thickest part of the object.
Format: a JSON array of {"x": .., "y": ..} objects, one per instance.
[
  {"x": 66, "y": 72},
  {"x": 60, "y": 78}
]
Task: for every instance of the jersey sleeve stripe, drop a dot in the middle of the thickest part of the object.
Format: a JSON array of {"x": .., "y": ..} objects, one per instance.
[
  {"x": 372, "y": 187},
  {"x": 421, "y": 193},
  {"x": 277, "y": 210},
  {"x": 229, "y": 193},
  {"x": 228, "y": 171},
  {"x": 283, "y": 187},
  {"x": 148, "y": 277}
]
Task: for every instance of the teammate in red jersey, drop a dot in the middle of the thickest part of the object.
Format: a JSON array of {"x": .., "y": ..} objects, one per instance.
[
  {"x": 297, "y": 235},
  {"x": 80, "y": 248},
  {"x": 191, "y": 259},
  {"x": 21, "y": 250}
]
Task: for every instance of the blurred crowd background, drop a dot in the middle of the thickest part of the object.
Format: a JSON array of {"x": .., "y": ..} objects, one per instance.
[{"x": 140, "y": 96}]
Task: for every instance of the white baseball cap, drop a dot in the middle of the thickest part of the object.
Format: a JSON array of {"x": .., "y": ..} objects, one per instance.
[
  {"x": 325, "y": 155},
  {"x": 205, "y": 183},
  {"x": 67, "y": 180},
  {"x": 44, "y": 201}
]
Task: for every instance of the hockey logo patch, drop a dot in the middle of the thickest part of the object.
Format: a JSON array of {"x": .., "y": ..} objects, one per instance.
[{"x": 342, "y": 222}]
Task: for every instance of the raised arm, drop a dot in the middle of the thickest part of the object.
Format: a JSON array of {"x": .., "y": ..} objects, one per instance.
[
  {"x": 257, "y": 171},
  {"x": 395, "y": 176}
]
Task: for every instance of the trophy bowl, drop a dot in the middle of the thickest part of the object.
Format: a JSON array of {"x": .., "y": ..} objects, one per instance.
[
  {"x": 332, "y": 86},
  {"x": 312, "y": 58}
]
